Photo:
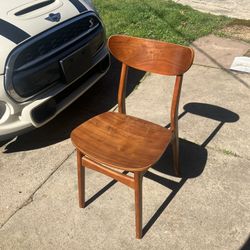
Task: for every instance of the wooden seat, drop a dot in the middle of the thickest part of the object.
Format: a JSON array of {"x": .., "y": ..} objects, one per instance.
[
  {"x": 135, "y": 144},
  {"x": 115, "y": 141}
]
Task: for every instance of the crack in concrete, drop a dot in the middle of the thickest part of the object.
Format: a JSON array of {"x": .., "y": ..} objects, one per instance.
[
  {"x": 231, "y": 154},
  {"x": 31, "y": 197}
]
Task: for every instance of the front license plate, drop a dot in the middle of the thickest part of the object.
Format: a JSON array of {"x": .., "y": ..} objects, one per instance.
[{"x": 76, "y": 64}]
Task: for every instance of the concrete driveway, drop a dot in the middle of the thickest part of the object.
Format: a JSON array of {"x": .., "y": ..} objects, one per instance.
[
  {"x": 232, "y": 8},
  {"x": 207, "y": 208}
]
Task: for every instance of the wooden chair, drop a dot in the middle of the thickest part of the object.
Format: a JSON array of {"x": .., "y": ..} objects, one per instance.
[{"x": 113, "y": 141}]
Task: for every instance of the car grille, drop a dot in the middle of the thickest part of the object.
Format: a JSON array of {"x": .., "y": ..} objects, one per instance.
[
  {"x": 34, "y": 65},
  {"x": 55, "y": 40}
]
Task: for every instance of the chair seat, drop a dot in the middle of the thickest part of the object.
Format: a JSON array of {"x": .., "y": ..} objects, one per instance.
[{"x": 121, "y": 141}]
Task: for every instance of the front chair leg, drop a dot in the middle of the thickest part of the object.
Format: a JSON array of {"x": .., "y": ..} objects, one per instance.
[
  {"x": 175, "y": 148},
  {"x": 138, "y": 204},
  {"x": 81, "y": 179}
]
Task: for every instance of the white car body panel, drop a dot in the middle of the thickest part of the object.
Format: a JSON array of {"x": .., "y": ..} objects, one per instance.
[
  {"x": 15, "y": 115},
  {"x": 39, "y": 24}
]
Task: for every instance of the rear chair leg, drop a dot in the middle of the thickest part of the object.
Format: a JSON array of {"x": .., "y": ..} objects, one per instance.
[
  {"x": 138, "y": 204},
  {"x": 81, "y": 179},
  {"x": 175, "y": 148}
]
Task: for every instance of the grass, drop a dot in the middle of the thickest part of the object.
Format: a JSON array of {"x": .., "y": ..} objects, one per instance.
[
  {"x": 229, "y": 153},
  {"x": 159, "y": 19}
]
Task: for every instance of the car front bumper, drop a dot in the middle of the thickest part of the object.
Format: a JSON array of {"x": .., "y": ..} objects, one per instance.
[{"x": 15, "y": 118}]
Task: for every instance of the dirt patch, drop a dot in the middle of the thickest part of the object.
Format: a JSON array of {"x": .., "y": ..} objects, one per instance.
[{"x": 240, "y": 32}]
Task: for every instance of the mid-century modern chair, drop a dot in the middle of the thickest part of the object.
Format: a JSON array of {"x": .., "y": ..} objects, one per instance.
[{"x": 113, "y": 142}]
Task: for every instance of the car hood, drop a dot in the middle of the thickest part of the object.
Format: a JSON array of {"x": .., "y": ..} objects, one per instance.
[{"x": 22, "y": 19}]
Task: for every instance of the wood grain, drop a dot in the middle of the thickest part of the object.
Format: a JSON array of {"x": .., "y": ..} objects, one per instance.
[
  {"x": 121, "y": 141},
  {"x": 138, "y": 204},
  {"x": 151, "y": 55},
  {"x": 127, "y": 180}
]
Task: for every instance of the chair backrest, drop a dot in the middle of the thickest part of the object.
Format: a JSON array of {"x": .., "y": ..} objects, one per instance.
[{"x": 152, "y": 56}]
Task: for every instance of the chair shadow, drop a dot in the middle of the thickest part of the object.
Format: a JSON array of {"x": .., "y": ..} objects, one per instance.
[
  {"x": 98, "y": 99},
  {"x": 102, "y": 191},
  {"x": 213, "y": 112},
  {"x": 246, "y": 245},
  {"x": 193, "y": 157}
]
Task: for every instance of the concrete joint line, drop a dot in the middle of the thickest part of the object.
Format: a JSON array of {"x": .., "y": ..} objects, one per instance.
[
  {"x": 212, "y": 67},
  {"x": 227, "y": 152},
  {"x": 30, "y": 199}
]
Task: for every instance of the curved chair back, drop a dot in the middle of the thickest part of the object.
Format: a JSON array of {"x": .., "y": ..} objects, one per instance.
[{"x": 151, "y": 55}]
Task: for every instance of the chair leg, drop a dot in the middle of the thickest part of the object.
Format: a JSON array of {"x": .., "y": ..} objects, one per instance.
[
  {"x": 81, "y": 179},
  {"x": 175, "y": 148},
  {"x": 138, "y": 204}
]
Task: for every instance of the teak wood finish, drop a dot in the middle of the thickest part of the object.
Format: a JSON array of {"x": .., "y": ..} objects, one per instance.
[{"x": 111, "y": 141}]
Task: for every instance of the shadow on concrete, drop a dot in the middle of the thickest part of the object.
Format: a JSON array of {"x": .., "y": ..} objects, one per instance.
[
  {"x": 193, "y": 157},
  {"x": 211, "y": 112},
  {"x": 102, "y": 191},
  {"x": 192, "y": 160},
  {"x": 246, "y": 245},
  {"x": 98, "y": 99}
]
